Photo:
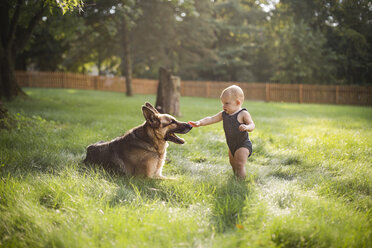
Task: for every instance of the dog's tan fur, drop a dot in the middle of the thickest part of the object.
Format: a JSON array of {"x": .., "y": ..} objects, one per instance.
[{"x": 142, "y": 150}]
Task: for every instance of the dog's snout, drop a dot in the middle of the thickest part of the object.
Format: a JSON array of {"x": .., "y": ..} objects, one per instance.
[{"x": 189, "y": 126}]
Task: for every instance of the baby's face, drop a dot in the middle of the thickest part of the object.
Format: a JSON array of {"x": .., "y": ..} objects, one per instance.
[{"x": 230, "y": 105}]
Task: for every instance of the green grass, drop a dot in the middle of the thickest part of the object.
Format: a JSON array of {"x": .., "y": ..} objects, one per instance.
[{"x": 309, "y": 180}]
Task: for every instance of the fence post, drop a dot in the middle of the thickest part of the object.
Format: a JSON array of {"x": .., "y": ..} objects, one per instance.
[
  {"x": 64, "y": 76},
  {"x": 208, "y": 86},
  {"x": 300, "y": 88},
  {"x": 95, "y": 82},
  {"x": 28, "y": 76},
  {"x": 337, "y": 93},
  {"x": 267, "y": 86}
]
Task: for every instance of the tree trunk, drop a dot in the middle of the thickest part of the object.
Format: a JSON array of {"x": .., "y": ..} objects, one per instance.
[
  {"x": 127, "y": 65},
  {"x": 14, "y": 38},
  {"x": 9, "y": 87},
  {"x": 168, "y": 95}
]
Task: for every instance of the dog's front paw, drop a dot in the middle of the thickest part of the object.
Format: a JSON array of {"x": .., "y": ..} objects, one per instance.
[{"x": 161, "y": 177}]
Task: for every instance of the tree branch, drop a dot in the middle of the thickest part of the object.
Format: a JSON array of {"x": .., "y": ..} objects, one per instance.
[
  {"x": 13, "y": 24},
  {"x": 22, "y": 41}
]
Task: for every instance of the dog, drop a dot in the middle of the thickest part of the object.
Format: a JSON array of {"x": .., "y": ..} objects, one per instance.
[{"x": 142, "y": 150}]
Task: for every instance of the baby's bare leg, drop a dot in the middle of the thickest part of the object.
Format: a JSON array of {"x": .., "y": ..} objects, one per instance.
[
  {"x": 231, "y": 159},
  {"x": 240, "y": 158}
]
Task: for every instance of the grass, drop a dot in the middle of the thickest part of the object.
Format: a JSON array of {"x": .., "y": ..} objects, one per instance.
[{"x": 309, "y": 180}]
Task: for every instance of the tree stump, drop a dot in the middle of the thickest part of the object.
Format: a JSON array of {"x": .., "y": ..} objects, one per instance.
[{"x": 168, "y": 95}]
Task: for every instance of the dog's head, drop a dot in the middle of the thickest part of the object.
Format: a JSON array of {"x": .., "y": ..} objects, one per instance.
[{"x": 165, "y": 126}]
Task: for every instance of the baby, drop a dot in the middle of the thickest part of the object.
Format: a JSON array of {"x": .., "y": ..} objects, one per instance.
[{"x": 237, "y": 122}]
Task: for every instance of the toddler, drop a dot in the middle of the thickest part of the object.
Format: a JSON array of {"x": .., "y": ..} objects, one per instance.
[{"x": 237, "y": 122}]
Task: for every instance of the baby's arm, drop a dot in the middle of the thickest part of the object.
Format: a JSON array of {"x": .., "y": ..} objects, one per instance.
[
  {"x": 207, "y": 120},
  {"x": 248, "y": 122}
]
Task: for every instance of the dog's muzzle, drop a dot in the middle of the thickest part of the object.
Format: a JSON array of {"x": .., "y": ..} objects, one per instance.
[{"x": 171, "y": 134}]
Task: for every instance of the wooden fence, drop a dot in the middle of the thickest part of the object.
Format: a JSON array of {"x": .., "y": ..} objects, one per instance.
[{"x": 300, "y": 93}]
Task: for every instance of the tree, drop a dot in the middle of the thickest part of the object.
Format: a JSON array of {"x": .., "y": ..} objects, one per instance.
[
  {"x": 127, "y": 14},
  {"x": 95, "y": 43},
  {"x": 300, "y": 55},
  {"x": 351, "y": 39},
  {"x": 160, "y": 33},
  {"x": 131, "y": 14},
  {"x": 110, "y": 29},
  {"x": 196, "y": 40},
  {"x": 240, "y": 31},
  {"x": 50, "y": 43},
  {"x": 346, "y": 26},
  {"x": 18, "y": 20},
  {"x": 177, "y": 35}
]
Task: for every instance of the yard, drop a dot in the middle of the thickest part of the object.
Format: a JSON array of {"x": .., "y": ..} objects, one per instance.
[{"x": 309, "y": 179}]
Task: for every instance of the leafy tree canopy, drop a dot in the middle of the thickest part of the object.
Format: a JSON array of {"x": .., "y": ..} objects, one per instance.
[{"x": 286, "y": 41}]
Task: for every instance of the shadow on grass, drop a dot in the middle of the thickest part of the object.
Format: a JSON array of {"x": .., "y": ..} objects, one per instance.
[
  {"x": 229, "y": 202},
  {"x": 179, "y": 193},
  {"x": 136, "y": 189}
]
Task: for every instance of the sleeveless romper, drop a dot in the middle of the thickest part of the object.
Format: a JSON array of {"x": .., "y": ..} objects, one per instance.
[{"x": 234, "y": 137}]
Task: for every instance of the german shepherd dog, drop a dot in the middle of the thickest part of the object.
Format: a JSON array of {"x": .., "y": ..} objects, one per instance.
[{"x": 142, "y": 150}]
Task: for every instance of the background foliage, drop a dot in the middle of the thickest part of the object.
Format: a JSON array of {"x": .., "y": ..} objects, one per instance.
[{"x": 287, "y": 41}]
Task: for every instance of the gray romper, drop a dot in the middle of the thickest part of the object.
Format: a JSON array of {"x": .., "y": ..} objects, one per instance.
[{"x": 234, "y": 137}]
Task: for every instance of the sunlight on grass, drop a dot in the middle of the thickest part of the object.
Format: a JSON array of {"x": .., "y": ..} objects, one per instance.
[{"x": 308, "y": 184}]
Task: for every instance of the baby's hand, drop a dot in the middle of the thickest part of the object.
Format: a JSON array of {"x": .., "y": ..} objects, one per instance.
[
  {"x": 242, "y": 128},
  {"x": 194, "y": 123}
]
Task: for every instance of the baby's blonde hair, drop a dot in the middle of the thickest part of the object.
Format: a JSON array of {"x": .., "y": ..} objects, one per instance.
[{"x": 233, "y": 91}]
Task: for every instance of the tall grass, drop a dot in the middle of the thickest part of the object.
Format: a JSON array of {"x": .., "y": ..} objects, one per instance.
[{"x": 308, "y": 185}]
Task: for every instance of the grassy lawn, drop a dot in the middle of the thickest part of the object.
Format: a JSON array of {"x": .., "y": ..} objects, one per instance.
[{"x": 309, "y": 179}]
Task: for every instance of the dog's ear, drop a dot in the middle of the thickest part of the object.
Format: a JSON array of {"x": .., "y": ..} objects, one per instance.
[
  {"x": 151, "y": 107},
  {"x": 151, "y": 117}
]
